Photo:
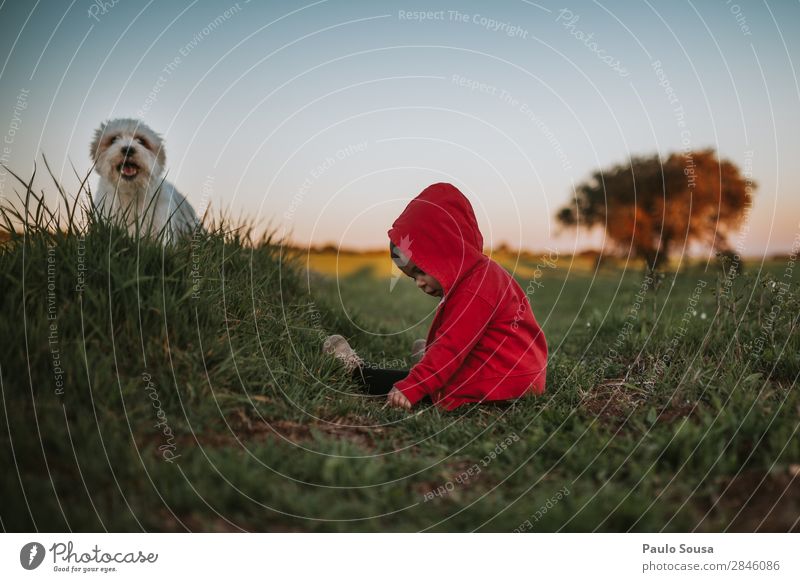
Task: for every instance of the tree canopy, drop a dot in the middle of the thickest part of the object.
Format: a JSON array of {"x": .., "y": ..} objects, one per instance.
[{"x": 652, "y": 206}]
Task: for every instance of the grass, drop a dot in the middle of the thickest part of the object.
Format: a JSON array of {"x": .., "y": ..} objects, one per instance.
[{"x": 182, "y": 388}]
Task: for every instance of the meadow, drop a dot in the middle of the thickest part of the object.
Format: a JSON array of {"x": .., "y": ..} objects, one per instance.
[{"x": 182, "y": 388}]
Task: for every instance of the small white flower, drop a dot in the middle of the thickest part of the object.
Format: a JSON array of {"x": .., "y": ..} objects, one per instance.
[
  {"x": 703, "y": 315},
  {"x": 588, "y": 324}
]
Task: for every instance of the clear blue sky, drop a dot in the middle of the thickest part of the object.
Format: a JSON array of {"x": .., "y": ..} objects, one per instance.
[{"x": 253, "y": 102}]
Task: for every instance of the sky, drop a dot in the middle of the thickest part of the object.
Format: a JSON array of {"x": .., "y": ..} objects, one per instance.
[{"x": 323, "y": 119}]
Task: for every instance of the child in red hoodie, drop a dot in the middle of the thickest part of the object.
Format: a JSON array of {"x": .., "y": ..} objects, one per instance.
[{"x": 484, "y": 343}]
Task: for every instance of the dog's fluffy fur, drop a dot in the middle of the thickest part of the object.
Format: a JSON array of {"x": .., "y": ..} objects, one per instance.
[{"x": 130, "y": 158}]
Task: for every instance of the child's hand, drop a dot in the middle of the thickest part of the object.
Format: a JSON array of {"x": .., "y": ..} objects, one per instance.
[{"x": 398, "y": 399}]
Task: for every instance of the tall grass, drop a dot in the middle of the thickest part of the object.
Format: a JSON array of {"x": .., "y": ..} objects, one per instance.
[
  {"x": 121, "y": 354},
  {"x": 173, "y": 387}
]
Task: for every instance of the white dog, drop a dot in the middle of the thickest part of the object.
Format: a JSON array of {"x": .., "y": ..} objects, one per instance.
[{"x": 130, "y": 158}]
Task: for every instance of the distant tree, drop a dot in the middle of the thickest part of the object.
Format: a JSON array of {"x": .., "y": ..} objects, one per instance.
[{"x": 652, "y": 206}]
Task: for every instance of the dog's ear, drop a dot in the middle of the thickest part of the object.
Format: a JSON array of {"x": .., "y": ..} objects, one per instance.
[
  {"x": 94, "y": 147},
  {"x": 161, "y": 154}
]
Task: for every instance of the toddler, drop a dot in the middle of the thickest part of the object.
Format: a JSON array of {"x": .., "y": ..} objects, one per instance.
[{"x": 484, "y": 343}]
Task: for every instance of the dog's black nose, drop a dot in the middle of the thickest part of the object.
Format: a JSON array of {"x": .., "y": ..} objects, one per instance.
[{"x": 128, "y": 150}]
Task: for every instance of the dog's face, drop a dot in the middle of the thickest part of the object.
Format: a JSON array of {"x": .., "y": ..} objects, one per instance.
[{"x": 126, "y": 151}]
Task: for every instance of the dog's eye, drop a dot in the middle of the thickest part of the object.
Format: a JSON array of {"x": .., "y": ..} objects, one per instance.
[{"x": 141, "y": 141}]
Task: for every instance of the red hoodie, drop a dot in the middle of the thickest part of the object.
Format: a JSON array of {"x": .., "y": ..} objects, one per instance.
[{"x": 484, "y": 343}]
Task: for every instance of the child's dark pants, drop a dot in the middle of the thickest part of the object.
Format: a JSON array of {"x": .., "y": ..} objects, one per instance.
[{"x": 378, "y": 381}]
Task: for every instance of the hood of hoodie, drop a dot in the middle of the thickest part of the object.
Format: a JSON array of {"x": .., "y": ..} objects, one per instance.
[{"x": 439, "y": 233}]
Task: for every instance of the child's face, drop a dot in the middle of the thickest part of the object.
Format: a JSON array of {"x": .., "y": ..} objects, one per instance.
[{"x": 424, "y": 281}]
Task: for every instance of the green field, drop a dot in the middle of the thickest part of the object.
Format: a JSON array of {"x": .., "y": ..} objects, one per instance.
[{"x": 182, "y": 388}]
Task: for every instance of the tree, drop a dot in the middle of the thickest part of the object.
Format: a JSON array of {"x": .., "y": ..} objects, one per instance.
[{"x": 652, "y": 206}]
